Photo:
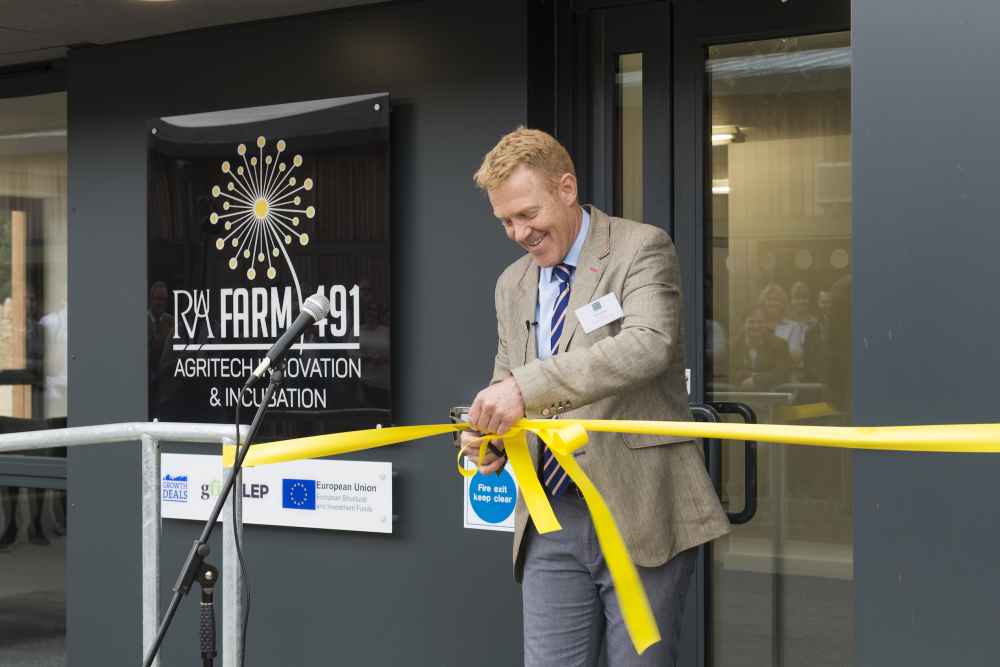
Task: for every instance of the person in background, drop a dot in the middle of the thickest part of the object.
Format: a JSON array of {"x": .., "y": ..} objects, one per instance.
[
  {"x": 159, "y": 329},
  {"x": 759, "y": 360},
  {"x": 774, "y": 300},
  {"x": 800, "y": 305}
]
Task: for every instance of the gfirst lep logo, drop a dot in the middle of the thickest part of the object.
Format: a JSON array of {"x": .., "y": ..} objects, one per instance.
[
  {"x": 261, "y": 210},
  {"x": 298, "y": 494}
]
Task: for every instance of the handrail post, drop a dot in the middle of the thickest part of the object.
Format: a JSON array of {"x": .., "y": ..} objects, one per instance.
[
  {"x": 232, "y": 577},
  {"x": 150, "y": 541}
]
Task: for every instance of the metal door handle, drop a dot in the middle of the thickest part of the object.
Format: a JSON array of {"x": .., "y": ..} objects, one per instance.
[
  {"x": 749, "y": 463},
  {"x": 713, "y": 461}
]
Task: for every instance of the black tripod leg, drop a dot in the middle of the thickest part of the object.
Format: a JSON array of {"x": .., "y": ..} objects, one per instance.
[{"x": 208, "y": 578}]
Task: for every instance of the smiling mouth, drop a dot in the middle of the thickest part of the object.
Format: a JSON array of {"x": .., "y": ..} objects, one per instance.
[{"x": 534, "y": 243}]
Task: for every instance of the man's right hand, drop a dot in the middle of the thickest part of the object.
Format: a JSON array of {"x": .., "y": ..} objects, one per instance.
[{"x": 470, "y": 442}]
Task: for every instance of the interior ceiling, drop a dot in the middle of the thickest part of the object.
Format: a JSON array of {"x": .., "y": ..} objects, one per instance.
[{"x": 38, "y": 30}]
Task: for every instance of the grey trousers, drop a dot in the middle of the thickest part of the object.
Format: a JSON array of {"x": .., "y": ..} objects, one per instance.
[{"x": 571, "y": 612}]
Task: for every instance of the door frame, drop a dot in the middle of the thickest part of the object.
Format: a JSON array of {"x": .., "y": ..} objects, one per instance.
[
  {"x": 697, "y": 25},
  {"x": 570, "y": 50}
]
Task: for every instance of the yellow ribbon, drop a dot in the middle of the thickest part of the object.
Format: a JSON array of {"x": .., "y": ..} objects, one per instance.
[{"x": 564, "y": 436}]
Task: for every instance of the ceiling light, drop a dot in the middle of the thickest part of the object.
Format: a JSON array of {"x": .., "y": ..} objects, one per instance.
[
  {"x": 33, "y": 135},
  {"x": 727, "y": 134}
]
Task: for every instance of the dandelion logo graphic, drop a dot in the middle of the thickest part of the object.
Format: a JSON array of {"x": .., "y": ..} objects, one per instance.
[{"x": 261, "y": 211}]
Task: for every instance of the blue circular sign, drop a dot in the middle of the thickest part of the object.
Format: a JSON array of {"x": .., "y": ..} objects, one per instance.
[{"x": 493, "y": 497}]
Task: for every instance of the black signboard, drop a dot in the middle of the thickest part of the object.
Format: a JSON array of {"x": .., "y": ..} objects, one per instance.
[{"x": 250, "y": 212}]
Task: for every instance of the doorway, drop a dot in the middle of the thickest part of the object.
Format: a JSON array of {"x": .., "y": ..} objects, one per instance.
[{"x": 727, "y": 123}]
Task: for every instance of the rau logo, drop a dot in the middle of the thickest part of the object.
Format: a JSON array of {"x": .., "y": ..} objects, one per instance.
[{"x": 261, "y": 210}]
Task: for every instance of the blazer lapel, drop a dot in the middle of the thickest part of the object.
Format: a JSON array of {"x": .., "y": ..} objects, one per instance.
[
  {"x": 524, "y": 311},
  {"x": 527, "y": 304},
  {"x": 589, "y": 269}
]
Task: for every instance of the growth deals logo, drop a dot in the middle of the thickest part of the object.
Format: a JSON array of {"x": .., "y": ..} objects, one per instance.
[
  {"x": 261, "y": 210},
  {"x": 174, "y": 488}
]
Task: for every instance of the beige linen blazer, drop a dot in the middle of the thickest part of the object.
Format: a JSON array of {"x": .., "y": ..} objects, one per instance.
[{"x": 656, "y": 487}]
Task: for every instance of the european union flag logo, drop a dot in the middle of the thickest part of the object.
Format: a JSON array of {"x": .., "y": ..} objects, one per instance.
[{"x": 298, "y": 494}]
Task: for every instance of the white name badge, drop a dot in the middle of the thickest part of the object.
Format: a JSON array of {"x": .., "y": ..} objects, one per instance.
[{"x": 598, "y": 313}]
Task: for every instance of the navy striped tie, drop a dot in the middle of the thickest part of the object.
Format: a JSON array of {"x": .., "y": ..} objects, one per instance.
[{"x": 554, "y": 478}]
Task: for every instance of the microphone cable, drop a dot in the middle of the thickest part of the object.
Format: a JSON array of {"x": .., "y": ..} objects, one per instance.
[{"x": 237, "y": 540}]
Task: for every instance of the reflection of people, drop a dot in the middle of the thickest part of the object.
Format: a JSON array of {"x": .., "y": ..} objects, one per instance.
[
  {"x": 800, "y": 305},
  {"x": 716, "y": 347},
  {"x": 774, "y": 299},
  {"x": 55, "y": 327},
  {"x": 816, "y": 348},
  {"x": 11, "y": 500},
  {"x": 160, "y": 328},
  {"x": 630, "y": 367},
  {"x": 37, "y": 361},
  {"x": 760, "y": 360},
  {"x": 823, "y": 302},
  {"x": 840, "y": 378},
  {"x": 160, "y": 325}
]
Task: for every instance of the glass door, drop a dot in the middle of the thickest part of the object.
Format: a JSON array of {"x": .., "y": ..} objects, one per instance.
[
  {"x": 727, "y": 122},
  {"x": 33, "y": 377},
  {"x": 777, "y": 337}
]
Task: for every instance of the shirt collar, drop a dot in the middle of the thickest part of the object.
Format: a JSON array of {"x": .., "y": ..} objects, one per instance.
[{"x": 573, "y": 256}]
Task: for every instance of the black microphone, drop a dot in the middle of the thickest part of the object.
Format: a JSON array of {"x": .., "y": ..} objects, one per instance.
[
  {"x": 313, "y": 310},
  {"x": 528, "y": 324}
]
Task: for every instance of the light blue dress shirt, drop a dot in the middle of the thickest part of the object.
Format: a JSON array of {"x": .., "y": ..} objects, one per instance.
[{"x": 548, "y": 290}]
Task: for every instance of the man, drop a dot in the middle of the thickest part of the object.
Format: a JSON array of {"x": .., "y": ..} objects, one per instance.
[
  {"x": 761, "y": 360},
  {"x": 550, "y": 364},
  {"x": 159, "y": 329}
]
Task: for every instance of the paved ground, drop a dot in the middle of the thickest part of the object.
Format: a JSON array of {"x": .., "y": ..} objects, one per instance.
[
  {"x": 815, "y": 619},
  {"x": 33, "y": 630}
]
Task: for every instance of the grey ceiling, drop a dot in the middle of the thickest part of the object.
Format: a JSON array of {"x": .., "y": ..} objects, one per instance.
[{"x": 35, "y": 30}]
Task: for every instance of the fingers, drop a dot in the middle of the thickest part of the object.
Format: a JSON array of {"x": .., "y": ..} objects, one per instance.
[
  {"x": 476, "y": 411},
  {"x": 504, "y": 425},
  {"x": 482, "y": 413},
  {"x": 470, "y": 446},
  {"x": 487, "y": 413},
  {"x": 496, "y": 421},
  {"x": 495, "y": 457},
  {"x": 493, "y": 466},
  {"x": 468, "y": 436}
]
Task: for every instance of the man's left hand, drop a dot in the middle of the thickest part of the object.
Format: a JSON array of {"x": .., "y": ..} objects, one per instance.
[{"x": 497, "y": 407}]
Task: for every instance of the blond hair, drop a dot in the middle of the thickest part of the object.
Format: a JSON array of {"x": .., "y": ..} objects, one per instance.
[{"x": 533, "y": 148}]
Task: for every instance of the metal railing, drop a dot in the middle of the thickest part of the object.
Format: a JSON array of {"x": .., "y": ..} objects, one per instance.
[{"x": 150, "y": 434}]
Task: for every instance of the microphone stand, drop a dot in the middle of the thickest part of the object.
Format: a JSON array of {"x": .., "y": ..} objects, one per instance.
[{"x": 195, "y": 568}]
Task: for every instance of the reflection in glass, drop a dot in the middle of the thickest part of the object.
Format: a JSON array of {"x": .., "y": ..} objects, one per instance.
[
  {"x": 32, "y": 579},
  {"x": 778, "y": 304},
  {"x": 628, "y": 181},
  {"x": 33, "y": 340},
  {"x": 33, "y": 328}
]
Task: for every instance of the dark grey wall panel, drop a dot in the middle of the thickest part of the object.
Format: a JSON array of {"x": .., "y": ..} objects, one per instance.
[
  {"x": 925, "y": 247},
  {"x": 456, "y": 74}
]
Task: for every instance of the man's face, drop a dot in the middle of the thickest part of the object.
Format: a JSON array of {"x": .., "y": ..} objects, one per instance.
[
  {"x": 774, "y": 304},
  {"x": 825, "y": 301},
  {"x": 541, "y": 218},
  {"x": 755, "y": 326}
]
